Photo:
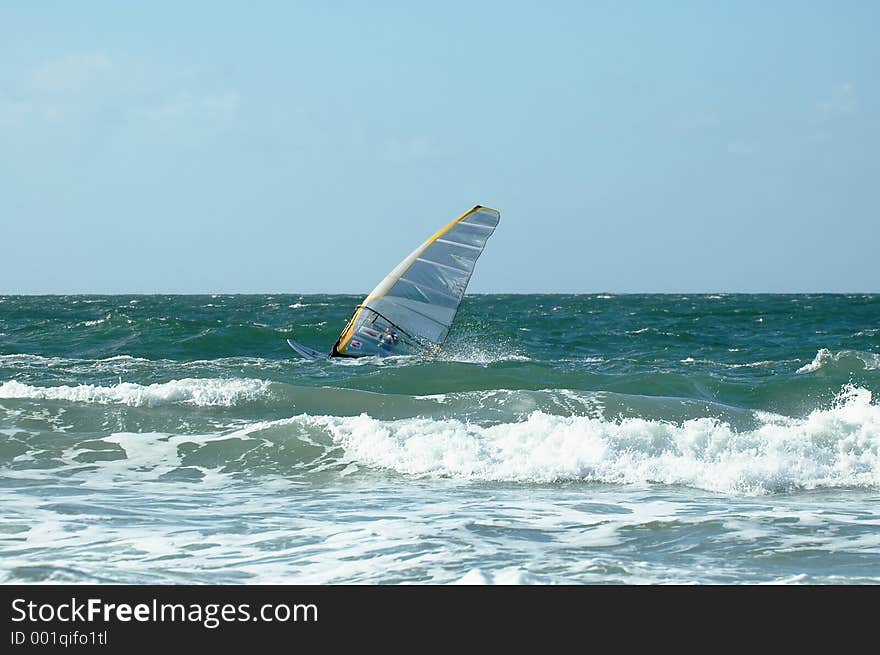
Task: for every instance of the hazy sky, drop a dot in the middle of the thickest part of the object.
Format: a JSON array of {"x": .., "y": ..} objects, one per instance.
[{"x": 307, "y": 147}]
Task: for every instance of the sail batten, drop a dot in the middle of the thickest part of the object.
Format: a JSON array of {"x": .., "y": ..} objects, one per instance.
[
  {"x": 482, "y": 227},
  {"x": 432, "y": 290},
  {"x": 420, "y": 297},
  {"x": 455, "y": 243},
  {"x": 451, "y": 268}
]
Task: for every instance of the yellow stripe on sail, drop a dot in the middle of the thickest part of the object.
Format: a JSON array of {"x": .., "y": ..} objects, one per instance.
[
  {"x": 459, "y": 220},
  {"x": 348, "y": 333},
  {"x": 434, "y": 238}
]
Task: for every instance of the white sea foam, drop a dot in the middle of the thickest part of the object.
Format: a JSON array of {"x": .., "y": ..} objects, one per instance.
[
  {"x": 94, "y": 322},
  {"x": 759, "y": 364},
  {"x": 484, "y": 357},
  {"x": 191, "y": 391},
  {"x": 24, "y": 360},
  {"x": 762, "y": 363},
  {"x": 824, "y": 358},
  {"x": 472, "y": 354},
  {"x": 835, "y": 447},
  {"x": 507, "y": 577},
  {"x": 226, "y": 526},
  {"x": 462, "y": 354},
  {"x": 651, "y": 330},
  {"x": 123, "y": 358},
  {"x": 38, "y": 360}
]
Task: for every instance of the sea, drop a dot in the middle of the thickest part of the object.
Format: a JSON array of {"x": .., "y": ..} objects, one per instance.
[{"x": 555, "y": 439}]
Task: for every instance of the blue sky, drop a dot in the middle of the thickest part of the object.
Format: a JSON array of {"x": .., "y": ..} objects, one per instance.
[{"x": 307, "y": 147}]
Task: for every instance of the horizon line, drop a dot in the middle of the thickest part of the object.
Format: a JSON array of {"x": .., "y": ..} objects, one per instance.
[{"x": 480, "y": 293}]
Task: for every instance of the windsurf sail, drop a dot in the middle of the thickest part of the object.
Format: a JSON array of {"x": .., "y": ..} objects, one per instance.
[{"x": 412, "y": 309}]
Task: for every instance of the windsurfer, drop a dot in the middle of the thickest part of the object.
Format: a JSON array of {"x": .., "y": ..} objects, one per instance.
[{"x": 388, "y": 339}]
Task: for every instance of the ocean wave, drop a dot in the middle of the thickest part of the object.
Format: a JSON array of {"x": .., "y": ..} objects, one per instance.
[
  {"x": 27, "y": 359},
  {"x": 191, "y": 391},
  {"x": 651, "y": 330},
  {"x": 834, "y": 447},
  {"x": 846, "y": 360},
  {"x": 759, "y": 364}
]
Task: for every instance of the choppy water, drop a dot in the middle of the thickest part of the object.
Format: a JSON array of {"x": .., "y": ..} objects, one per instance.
[{"x": 577, "y": 438}]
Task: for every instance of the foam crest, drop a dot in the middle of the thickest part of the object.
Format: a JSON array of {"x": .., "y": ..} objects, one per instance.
[
  {"x": 835, "y": 447},
  {"x": 846, "y": 359},
  {"x": 191, "y": 391}
]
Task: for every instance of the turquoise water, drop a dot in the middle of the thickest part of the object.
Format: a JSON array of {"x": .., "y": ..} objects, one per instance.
[{"x": 557, "y": 438}]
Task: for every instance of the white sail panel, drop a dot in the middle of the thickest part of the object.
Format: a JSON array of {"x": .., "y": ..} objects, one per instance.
[{"x": 420, "y": 297}]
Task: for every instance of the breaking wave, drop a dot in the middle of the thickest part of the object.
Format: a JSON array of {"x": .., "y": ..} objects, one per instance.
[
  {"x": 538, "y": 437},
  {"x": 843, "y": 361},
  {"x": 834, "y": 447},
  {"x": 192, "y": 391}
]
